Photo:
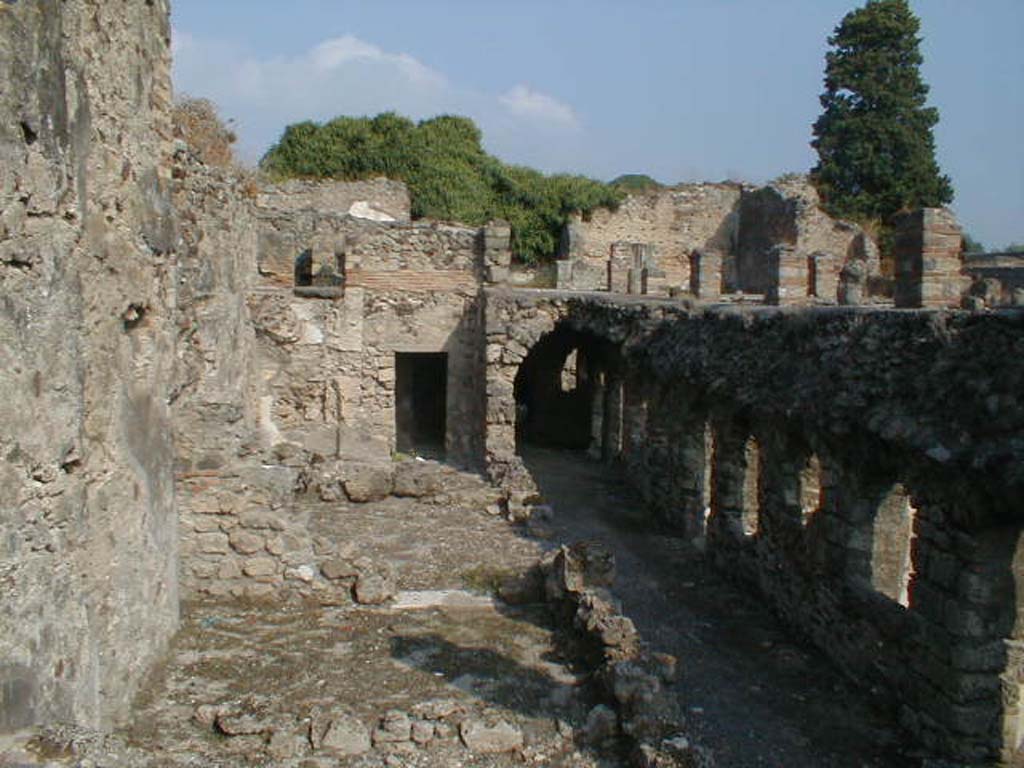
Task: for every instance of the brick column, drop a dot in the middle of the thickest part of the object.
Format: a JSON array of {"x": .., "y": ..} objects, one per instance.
[
  {"x": 928, "y": 260},
  {"x": 787, "y": 276},
  {"x": 706, "y": 274}
]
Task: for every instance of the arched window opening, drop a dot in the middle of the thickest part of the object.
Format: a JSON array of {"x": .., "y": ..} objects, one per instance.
[
  {"x": 810, "y": 489},
  {"x": 751, "y": 487},
  {"x": 892, "y": 541}
]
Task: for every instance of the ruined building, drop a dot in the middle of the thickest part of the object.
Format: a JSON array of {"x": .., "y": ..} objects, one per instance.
[{"x": 181, "y": 351}]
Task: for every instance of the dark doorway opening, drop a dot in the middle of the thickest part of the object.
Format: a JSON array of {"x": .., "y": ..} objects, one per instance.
[{"x": 421, "y": 392}]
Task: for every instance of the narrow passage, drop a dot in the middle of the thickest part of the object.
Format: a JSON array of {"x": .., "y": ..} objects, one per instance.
[{"x": 753, "y": 693}]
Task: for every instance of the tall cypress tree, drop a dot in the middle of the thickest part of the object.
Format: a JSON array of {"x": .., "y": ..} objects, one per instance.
[{"x": 874, "y": 139}]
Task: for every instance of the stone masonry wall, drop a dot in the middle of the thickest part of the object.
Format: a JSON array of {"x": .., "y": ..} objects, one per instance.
[
  {"x": 88, "y": 560},
  {"x": 376, "y": 199},
  {"x": 676, "y": 221},
  {"x": 860, "y": 469},
  {"x": 788, "y": 212}
]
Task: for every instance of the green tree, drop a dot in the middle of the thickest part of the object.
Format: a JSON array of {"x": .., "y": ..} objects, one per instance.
[
  {"x": 450, "y": 176},
  {"x": 874, "y": 138}
]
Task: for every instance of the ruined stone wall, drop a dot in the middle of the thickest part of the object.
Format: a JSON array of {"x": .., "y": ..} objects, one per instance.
[
  {"x": 376, "y": 199},
  {"x": 88, "y": 562},
  {"x": 408, "y": 288},
  {"x": 676, "y": 221},
  {"x": 860, "y": 469},
  {"x": 740, "y": 226},
  {"x": 788, "y": 212}
]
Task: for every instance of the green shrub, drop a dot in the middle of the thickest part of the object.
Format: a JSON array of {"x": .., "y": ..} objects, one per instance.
[{"x": 450, "y": 176}]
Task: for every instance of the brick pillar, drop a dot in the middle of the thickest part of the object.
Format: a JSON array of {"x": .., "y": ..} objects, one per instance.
[
  {"x": 497, "y": 237},
  {"x": 706, "y": 274},
  {"x": 927, "y": 257},
  {"x": 787, "y": 276}
]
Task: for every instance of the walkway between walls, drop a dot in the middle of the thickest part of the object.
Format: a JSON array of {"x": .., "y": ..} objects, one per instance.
[{"x": 751, "y": 692}]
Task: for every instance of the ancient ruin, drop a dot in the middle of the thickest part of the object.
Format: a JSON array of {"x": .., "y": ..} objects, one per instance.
[{"x": 221, "y": 391}]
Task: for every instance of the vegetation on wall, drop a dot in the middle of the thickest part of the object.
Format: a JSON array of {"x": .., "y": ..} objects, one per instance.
[
  {"x": 874, "y": 138},
  {"x": 197, "y": 122},
  {"x": 450, "y": 176}
]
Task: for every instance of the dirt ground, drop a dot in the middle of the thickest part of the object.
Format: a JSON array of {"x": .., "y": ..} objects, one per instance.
[{"x": 445, "y": 661}]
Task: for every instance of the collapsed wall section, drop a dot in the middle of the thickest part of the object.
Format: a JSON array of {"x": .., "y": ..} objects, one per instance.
[{"x": 88, "y": 560}]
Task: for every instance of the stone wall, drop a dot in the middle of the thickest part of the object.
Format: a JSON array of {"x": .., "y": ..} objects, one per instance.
[
  {"x": 742, "y": 224},
  {"x": 788, "y": 212},
  {"x": 675, "y": 221},
  {"x": 858, "y": 468},
  {"x": 375, "y": 199},
  {"x": 88, "y": 561}
]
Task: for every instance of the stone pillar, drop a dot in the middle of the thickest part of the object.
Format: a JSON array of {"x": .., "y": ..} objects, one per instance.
[
  {"x": 563, "y": 277},
  {"x": 596, "y": 450},
  {"x": 634, "y": 417},
  {"x": 620, "y": 261},
  {"x": 611, "y": 442},
  {"x": 823, "y": 276},
  {"x": 706, "y": 274},
  {"x": 787, "y": 276},
  {"x": 928, "y": 260},
  {"x": 497, "y": 237},
  {"x": 725, "y": 526}
]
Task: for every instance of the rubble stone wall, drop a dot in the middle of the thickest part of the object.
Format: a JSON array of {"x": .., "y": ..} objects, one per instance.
[
  {"x": 742, "y": 224},
  {"x": 858, "y": 468},
  {"x": 675, "y": 221},
  {"x": 88, "y": 562},
  {"x": 788, "y": 212},
  {"x": 381, "y": 199}
]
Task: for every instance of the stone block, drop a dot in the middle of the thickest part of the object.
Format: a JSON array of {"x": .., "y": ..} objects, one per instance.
[{"x": 368, "y": 482}]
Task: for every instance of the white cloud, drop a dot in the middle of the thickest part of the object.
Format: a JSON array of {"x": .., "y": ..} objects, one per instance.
[
  {"x": 335, "y": 53},
  {"x": 523, "y": 101},
  {"x": 348, "y": 76}
]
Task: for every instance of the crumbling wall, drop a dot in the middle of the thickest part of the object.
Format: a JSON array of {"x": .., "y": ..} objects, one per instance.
[
  {"x": 88, "y": 562},
  {"x": 788, "y": 212},
  {"x": 329, "y": 363},
  {"x": 676, "y": 221}
]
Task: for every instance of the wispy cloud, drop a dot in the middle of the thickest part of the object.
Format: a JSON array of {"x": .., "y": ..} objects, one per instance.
[{"x": 523, "y": 101}]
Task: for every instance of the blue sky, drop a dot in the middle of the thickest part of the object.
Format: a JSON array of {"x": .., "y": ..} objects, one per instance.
[{"x": 686, "y": 90}]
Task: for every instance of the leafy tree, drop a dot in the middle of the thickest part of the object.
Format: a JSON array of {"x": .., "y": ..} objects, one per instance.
[
  {"x": 450, "y": 176},
  {"x": 1014, "y": 248},
  {"x": 874, "y": 138}
]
